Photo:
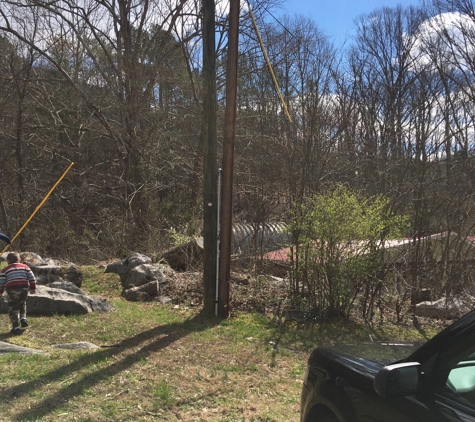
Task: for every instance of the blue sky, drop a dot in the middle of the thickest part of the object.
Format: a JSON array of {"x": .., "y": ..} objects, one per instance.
[{"x": 335, "y": 17}]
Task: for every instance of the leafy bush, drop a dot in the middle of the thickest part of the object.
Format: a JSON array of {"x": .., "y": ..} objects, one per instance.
[{"x": 338, "y": 247}]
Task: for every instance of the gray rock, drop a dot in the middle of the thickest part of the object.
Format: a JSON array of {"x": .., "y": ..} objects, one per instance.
[
  {"x": 46, "y": 274},
  {"x": 137, "y": 295},
  {"x": 66, "y": 285},
  {"x": 74, "y": 275},
  {"x": 123, "y": 267},
  {"x": 13, "y": 348},
  {"x": 75, "y": 346},
  {"x": 51, "y": 301},
  {"x": 165, "y": 300},
  {"x": 421, "y": 295},
  {"x": 140, "y": 278},
  {"x": 142, "y": 293},
  {"x": 143, "y": 274},
  {"x": 442, "y": 308},
  {"x": 186, "y": 257},
  {"x": 31, "y": 258}
]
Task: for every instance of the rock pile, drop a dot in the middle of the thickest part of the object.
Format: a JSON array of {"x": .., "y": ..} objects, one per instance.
[
  {"x": 58, "y": 289},
  {"x": 141, "y": 279}
]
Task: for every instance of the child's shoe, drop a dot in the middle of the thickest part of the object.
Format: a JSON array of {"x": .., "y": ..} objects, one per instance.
[{"x": 23, "y": 323}]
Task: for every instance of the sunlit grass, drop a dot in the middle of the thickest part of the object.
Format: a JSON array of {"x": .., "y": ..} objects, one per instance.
[
  {"x": 163, "y": 392},
  {"x": 158, "y": 362}
]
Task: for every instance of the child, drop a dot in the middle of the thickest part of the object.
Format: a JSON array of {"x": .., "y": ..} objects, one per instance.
[{"x": 16, "y": 278}]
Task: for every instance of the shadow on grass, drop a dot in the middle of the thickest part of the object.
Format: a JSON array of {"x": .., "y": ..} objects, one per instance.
[
  {"x": 308, "y": 335},
  {"x": 162, "y": 337}
]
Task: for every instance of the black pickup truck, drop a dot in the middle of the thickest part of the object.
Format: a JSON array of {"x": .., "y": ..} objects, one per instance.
[{"x": 390, "y": 382}]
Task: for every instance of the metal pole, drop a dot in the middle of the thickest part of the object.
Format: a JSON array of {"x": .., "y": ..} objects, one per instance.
[{"x": 218, "y": 221}]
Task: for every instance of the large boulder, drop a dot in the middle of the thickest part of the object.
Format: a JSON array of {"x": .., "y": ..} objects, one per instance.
[
  {"x": 76, "y": 346},
  {"x": 50, "y": 270},
  {"x": 73, "y": 275},
  {"x": 442, "y": 308},
  {"x": 141, "y": 280},
  {"x": 31, "y": 258},
  {"x": 50, "y": 273},
  {"x": 144, "y": 282},
  {"x": 123, "y": 267},
  {"x": 143, "y": 274},
  {"x": 142, "y": 293},
  {"x": 13, "y": 348},
  {"x": 420, "y": 295},
  {"x": 50, "y": 301},
  {"x": 186, "y": 257},
  {"x": 68, "y": 286},
  {"x": 46, "y": 274}
]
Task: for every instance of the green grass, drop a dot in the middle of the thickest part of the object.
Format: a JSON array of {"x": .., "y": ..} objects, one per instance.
[
  {"x": 160, "y": 363},
  {"x": 163, "y": 393}
]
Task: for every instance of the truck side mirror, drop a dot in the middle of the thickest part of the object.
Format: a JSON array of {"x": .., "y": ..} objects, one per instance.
[{"x": 399, "y": 379}]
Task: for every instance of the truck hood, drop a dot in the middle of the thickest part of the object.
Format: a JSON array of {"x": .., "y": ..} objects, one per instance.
[{"x": 369, "y": 353}]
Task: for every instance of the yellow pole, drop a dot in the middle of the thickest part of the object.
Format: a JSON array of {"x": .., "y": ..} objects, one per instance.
[
  {"x": 269, "y": 64},
  {"x": 39, "y": 206}
]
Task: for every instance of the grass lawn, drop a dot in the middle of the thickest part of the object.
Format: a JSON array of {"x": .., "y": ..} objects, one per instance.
[{"x": 165, "y": 363}]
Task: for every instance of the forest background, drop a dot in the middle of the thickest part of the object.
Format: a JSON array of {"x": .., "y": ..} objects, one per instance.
[{"x": 116, "y": 88}]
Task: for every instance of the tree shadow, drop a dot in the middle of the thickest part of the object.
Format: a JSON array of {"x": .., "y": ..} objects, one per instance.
[{"x": 162, "y": 337}]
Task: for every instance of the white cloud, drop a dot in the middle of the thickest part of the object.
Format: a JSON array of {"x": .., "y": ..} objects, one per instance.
[{"x": 446, "y": 39}]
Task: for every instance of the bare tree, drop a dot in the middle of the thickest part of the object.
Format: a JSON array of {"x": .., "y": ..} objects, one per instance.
[{"x": 121, "y": 48}]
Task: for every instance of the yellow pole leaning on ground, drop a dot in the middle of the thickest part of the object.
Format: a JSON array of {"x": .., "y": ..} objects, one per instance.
[{"x": 39, "y": 206}]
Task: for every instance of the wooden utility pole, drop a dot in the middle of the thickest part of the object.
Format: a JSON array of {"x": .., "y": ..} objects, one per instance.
[
  {"x": 228, "y": 161},
  {"x": 209, "y": 139}
]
